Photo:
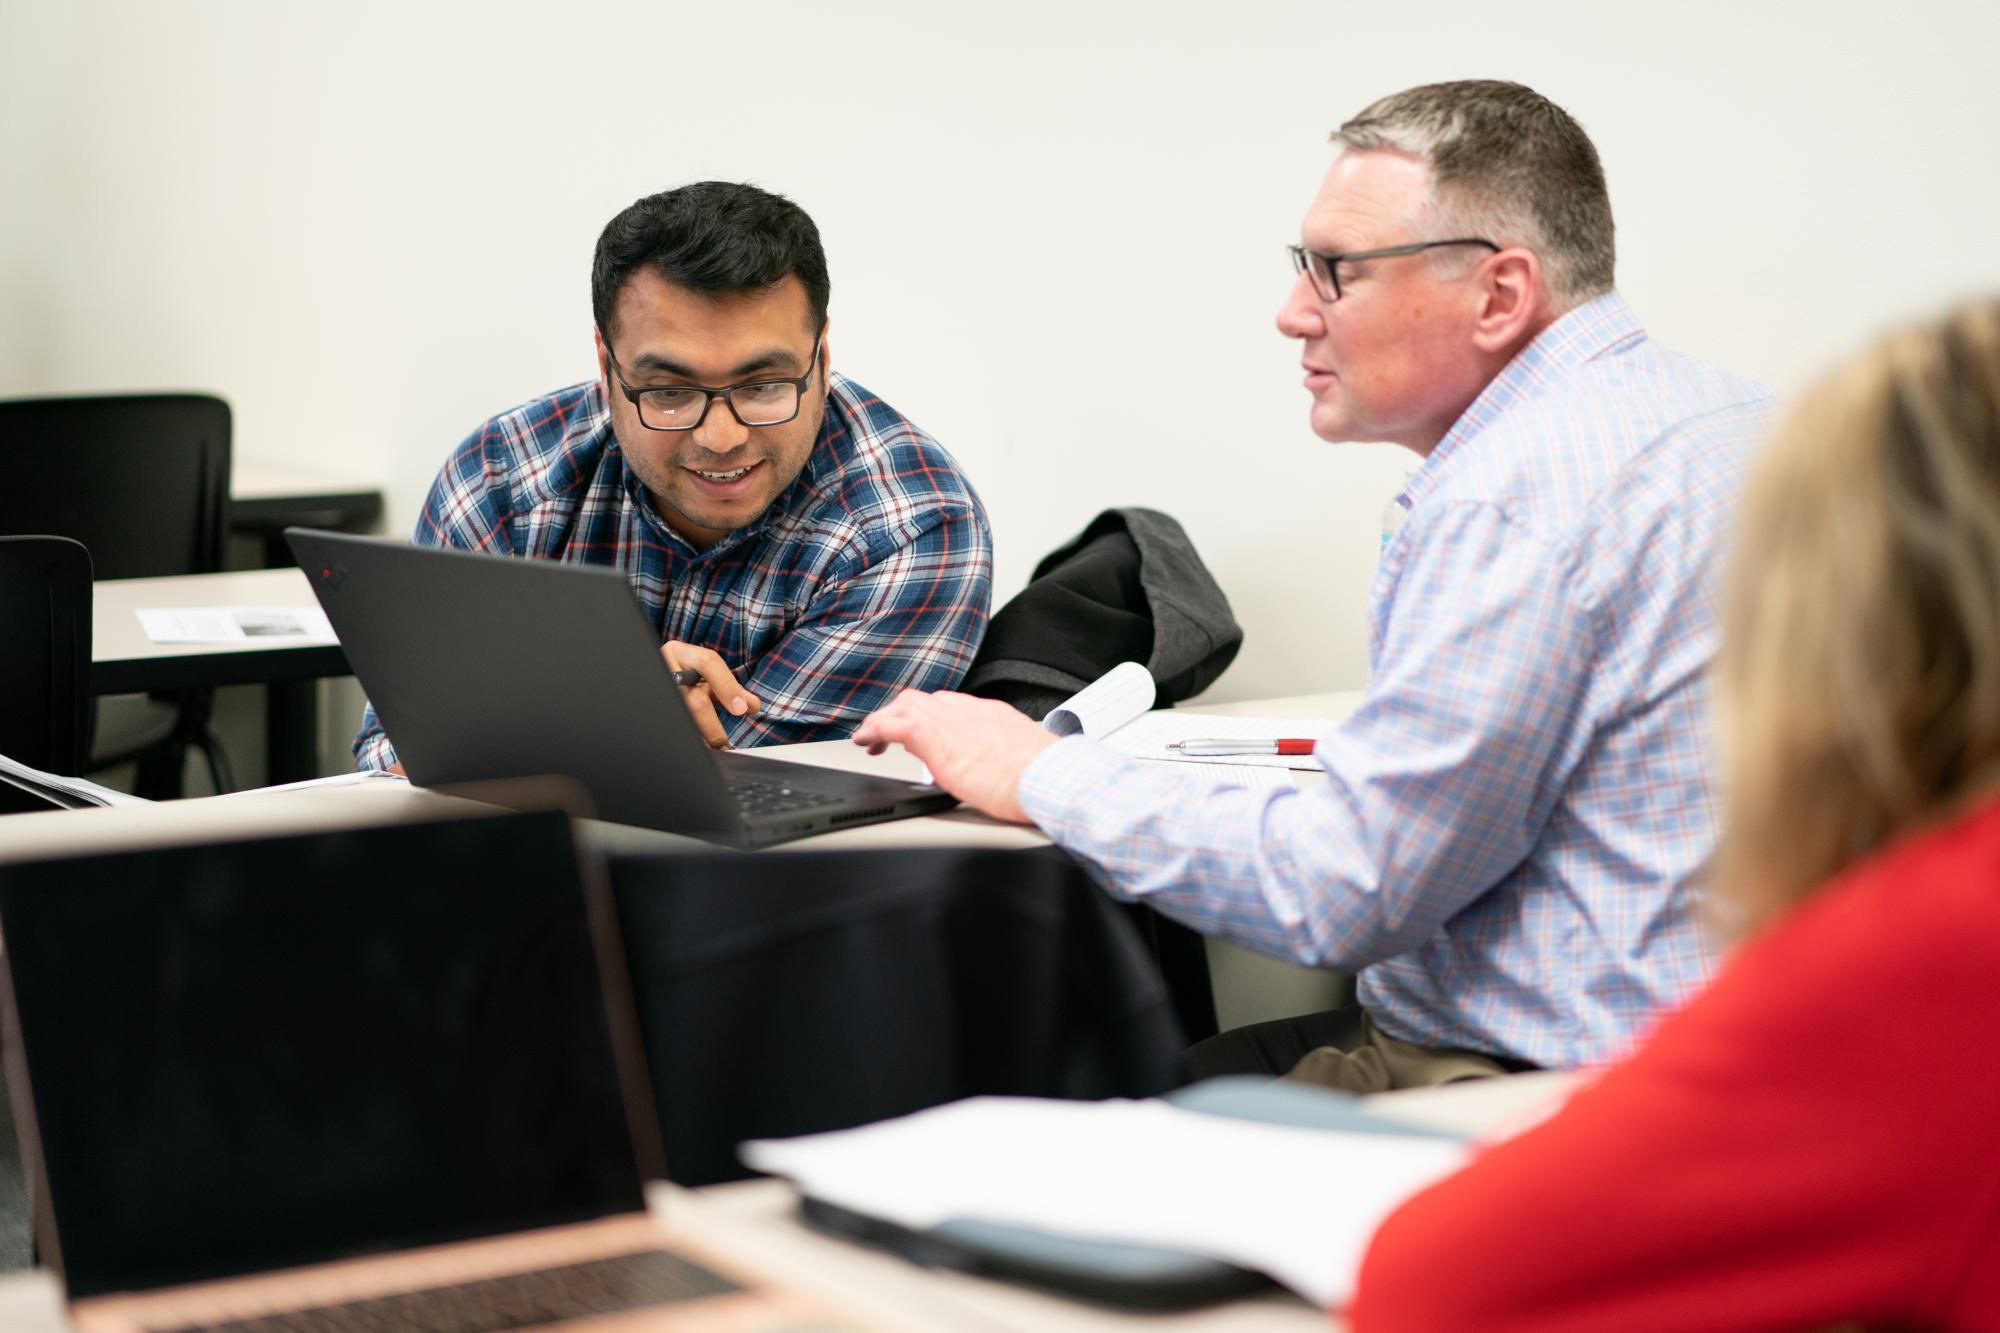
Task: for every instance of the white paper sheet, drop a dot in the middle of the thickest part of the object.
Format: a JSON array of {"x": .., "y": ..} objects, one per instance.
[
  {"x": 236, "y": 624},
  {"x": 360, "y": 777},
  {"x": 1297, "y": 1204},
  {"x": 68, "y": 792},
  {"x": 1146, "y": 737},
  {"x": 1104, "y": 705}
]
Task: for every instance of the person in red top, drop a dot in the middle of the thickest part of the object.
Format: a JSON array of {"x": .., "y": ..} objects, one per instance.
[{"x": 1815, "y": 1139}]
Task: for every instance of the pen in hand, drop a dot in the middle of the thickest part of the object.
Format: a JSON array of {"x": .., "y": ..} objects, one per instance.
[
  {"x": 1205, "y": 748},
  {"x": 687, "y": 676}
]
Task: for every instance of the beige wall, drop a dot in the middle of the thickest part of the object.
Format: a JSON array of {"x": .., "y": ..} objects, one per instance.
[{"x": 369, "y": 224}]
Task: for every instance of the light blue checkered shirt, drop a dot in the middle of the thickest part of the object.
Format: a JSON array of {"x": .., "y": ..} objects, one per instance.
[{"x": 1518, "y": 814}]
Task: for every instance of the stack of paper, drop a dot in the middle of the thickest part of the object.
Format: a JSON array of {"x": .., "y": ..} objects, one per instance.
[
  {"x": 1296, "y": 1204},
  {"x": 65, "y": 793}
]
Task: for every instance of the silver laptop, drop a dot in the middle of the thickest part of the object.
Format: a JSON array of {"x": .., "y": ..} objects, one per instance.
[
  {"x": 487, "y": 667},
  {"x": 239, "y": 1067}
]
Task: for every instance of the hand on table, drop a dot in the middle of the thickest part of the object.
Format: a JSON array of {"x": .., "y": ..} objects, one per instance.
[
  {"x": 717, "y": 686},
  {"x": 976, "y": 749}
]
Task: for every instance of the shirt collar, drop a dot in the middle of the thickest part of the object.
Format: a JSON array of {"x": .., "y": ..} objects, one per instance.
[{"x": 1600, "y": 326}]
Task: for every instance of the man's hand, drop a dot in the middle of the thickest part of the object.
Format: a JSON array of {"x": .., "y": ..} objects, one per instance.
[
  {"x": 976, "y": 748},
  {"x": 717, "y": 686}
]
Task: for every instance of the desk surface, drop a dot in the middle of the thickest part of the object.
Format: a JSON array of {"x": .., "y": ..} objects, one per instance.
[
  {"x": 754, "y": 1224},
  {"x": 754, "y": 1221},
  {"x": 252, "y": 814},
  {"x": 123, "y": 660},
  {"x": 277, "y": 494}
]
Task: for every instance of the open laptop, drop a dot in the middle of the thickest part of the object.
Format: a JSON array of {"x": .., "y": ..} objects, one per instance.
[
  {"x": 493, "y": 667},
  {"x": 238, "y": 1066}
]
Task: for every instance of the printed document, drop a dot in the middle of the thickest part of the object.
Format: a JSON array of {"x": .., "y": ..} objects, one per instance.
[
  {"x": 247, "y": 625},
  {"x": 1297, "y": 1204},
  {"x": 1117, "y": 708}
]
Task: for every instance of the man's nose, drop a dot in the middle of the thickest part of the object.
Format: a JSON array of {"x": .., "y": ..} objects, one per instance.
[
  {"x": 720, "y": 431},
  {"x": 1303, "y": 315}
]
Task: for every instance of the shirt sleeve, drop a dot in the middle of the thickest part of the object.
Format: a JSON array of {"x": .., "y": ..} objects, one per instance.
[
  {"x": 910, "y": 619},
  {"x": 1808, "y": 1142},
  {"x": 1438, "y": 785},
  {"x": 467, "y": 508}
]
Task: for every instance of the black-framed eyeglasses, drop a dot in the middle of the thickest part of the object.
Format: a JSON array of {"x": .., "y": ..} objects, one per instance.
[
  {"x": 1324, "y": 270},
  {"x": 767, "y": 402}
]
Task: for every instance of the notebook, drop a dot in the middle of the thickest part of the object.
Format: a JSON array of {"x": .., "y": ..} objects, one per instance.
[
  {"x": 487, "y": 667},
  {"x": 237, "y": 1067}
]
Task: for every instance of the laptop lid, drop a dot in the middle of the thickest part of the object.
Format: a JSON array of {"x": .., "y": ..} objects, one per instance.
[
  {"x": 236, "y": 1057},
  {"x": 485, "y": 666}
]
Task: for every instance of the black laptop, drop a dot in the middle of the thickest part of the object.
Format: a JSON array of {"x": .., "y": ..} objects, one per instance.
[
  {"x": 237, "y": 1067},
  {"x": 485, "y": 667}
]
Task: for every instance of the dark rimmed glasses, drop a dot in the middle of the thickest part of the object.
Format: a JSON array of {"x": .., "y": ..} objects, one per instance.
[
  {"x": 1324, "y": 270},
  {"x": 770, "y": 402}
]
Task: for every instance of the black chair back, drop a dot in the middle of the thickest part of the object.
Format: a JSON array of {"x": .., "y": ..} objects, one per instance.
[
  {"x": 44, "y": 657},
  {"x": 140, "y": 479}
]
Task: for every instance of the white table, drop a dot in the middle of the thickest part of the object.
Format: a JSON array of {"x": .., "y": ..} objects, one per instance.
[
  {"x": 755, "y": 1225},
  {"x": 754, "y": 1221},
  {"x": 125, "y": 661},
  {"x": 265, "y": 498}
]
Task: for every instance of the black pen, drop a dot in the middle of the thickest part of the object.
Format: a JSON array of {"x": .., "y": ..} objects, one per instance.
[{"x": 687, "y": 676}]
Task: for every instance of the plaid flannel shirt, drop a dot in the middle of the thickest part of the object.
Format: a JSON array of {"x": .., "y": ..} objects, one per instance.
[
  {"x": 1516, "y": 817},
  {"x": 870, "y": 573}
]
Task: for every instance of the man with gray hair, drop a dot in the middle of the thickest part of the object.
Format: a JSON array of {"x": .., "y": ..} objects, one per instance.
[{"x": 1516, "y": 817}]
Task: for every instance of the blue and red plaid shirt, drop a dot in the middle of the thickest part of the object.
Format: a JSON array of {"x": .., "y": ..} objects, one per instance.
[{"x": 871, "y": 573}]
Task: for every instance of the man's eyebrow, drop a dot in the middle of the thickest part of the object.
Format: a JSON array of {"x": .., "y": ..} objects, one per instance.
[{"x": 777, "y": 358}]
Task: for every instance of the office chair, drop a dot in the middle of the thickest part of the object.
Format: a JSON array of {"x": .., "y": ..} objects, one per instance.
[
  {"x": 142, "y": 480},
  {"x": 44, "y": 658}
]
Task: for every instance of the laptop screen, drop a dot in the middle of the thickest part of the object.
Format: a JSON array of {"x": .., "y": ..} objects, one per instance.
[{"x": 259, "y": 1054}]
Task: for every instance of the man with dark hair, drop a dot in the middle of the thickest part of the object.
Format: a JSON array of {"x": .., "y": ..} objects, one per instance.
[
  {"x": 1517, "y": 816},
  {"x": 799, "y": 544}
]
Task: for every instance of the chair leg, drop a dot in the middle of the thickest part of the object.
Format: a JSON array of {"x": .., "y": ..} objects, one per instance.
[{"x": 220, "y": 773}]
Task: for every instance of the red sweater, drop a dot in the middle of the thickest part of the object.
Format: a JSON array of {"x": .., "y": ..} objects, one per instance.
[{"x": 1815, "y": 1138}]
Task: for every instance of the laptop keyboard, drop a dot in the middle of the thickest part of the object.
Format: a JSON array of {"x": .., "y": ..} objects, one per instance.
[
  {"x": 512, "y": 1300},
  {"x": 759, "y": 796}
]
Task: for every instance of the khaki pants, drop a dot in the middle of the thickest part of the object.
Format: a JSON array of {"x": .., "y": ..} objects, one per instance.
[{"x": 1340, "y": 1048}]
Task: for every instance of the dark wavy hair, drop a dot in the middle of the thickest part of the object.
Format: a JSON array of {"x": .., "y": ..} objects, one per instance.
[{"x": 713, "y": 236}]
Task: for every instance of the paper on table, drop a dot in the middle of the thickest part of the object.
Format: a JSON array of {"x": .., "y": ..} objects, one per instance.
[
  {"x": 1104, "y": 705},
  {"x": 365, "y": 776},
  {"x": 1147, "y": 737},
  {"x": 66, "y": 792},
  {"x": 236, "y": 624},
  {"x": 1297, "y": 1204},
  {"x": 1114, "y": 709}
]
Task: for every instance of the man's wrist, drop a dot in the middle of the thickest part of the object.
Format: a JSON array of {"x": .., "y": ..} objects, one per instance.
[{"x": 1061, "y": 777}]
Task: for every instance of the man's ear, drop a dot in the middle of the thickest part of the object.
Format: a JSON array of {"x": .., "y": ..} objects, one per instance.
[
  {"x": 826, "y": 357},
  {"x": 1514, "y": 305},
  {"x": 603, "y": 355}
]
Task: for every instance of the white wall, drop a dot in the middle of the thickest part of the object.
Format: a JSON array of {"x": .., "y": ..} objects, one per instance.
[{"x": 369, "y": 225}]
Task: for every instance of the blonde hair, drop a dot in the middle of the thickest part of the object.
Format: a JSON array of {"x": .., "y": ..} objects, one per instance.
[{"x": 1859, "y": 678}]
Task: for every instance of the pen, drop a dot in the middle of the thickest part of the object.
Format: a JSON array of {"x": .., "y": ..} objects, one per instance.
[
  {"x": 1283, "y": 745},
  {"x": 687, "y": 676}
]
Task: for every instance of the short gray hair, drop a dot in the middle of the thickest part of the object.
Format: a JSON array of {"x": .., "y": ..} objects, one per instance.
[{"x": 1507, "y": 164}]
